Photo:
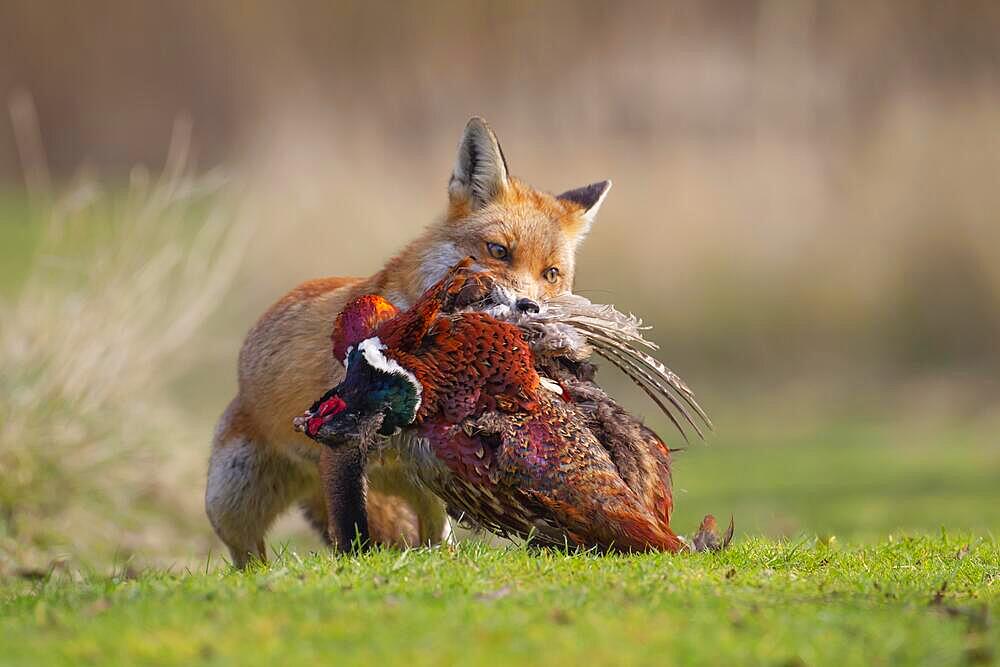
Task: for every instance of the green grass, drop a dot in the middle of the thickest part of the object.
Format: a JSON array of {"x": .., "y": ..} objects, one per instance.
[
  {"x": 19, "y": 235},
  {"x": 911, "y": 600},
  {"x": 859, "y": 480}
]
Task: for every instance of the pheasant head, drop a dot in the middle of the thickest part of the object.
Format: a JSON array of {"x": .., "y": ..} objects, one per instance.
[
  {"x": 376, "y": 394},
  {"x": 376, "y": 397}
]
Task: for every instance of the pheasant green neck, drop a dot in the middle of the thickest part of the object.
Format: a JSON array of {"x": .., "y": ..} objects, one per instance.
[{"x": 399, "y": 391}]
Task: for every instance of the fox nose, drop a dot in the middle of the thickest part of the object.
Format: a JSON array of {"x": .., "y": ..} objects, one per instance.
[{"x": 526, "y": 306}]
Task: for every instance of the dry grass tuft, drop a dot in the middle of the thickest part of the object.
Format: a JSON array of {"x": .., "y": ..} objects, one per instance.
[{"x": 119, "y": 285}]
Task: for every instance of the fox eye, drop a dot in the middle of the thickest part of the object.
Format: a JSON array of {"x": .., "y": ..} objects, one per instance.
[
  {"x": 551, "y": 274},
  {"x": 497, "y": 251}
]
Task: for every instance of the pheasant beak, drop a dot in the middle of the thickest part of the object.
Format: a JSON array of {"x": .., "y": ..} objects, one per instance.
[
  {"x": 311, "y": 421},
  {"x": 331, "y": 423}
]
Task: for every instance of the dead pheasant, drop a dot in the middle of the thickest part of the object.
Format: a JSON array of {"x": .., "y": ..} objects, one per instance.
[{"x": 521, "y": 454}]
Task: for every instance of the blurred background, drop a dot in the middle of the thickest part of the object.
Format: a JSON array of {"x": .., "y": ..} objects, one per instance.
[{"x": 806, "y": 208}]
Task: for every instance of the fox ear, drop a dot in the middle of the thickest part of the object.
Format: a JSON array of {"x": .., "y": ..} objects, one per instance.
[
  {"x": 590, "y": 197},
  {"x": 481, "y": 171}
]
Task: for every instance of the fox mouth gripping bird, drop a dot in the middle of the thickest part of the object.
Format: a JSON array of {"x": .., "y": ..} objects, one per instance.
[{"x": 549, "y": 457}]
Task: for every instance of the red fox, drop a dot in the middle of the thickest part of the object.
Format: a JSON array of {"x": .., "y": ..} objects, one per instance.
[{"x": 259, "y": 465}]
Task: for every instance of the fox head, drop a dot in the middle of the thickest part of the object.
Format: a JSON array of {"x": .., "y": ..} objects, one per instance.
[{"x": 526, "y": 238}]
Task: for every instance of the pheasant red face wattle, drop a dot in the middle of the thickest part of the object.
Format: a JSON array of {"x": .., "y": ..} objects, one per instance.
[{"x": 327, "y": 410}]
